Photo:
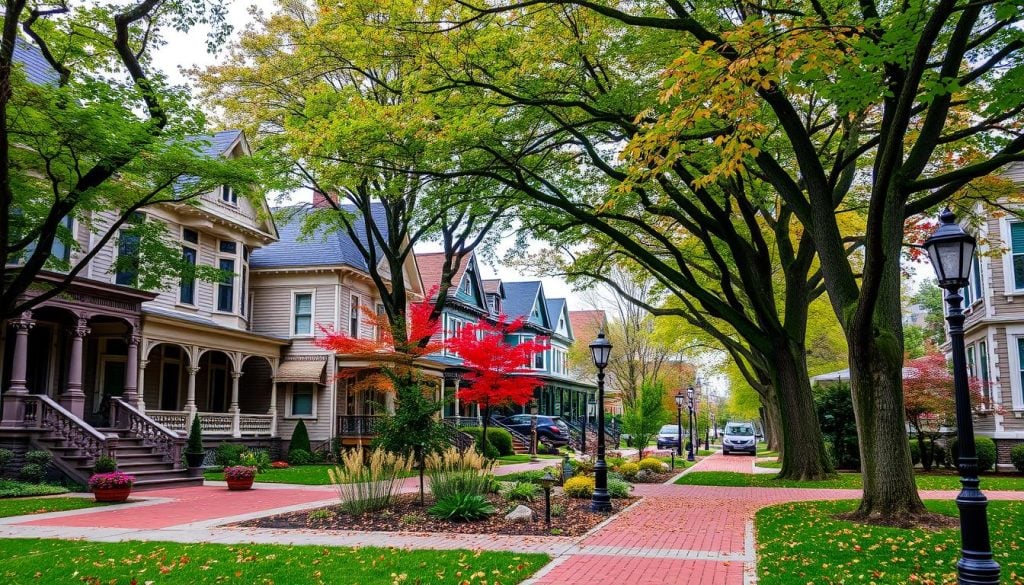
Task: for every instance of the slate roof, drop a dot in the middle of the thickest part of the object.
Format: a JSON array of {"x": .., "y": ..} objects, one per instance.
[
  {"x": 36, "y": 67},
  {"x": 319, "y": 249},
  {"x": 519, "y": 298},
  {"x": 555, "y": 308},
  {"x": 217, "y": 143}
]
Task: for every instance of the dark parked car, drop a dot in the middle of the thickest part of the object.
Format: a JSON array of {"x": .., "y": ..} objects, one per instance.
[
  {"x": 550, "y": 429},
  {"x": 668, "y": 436}
]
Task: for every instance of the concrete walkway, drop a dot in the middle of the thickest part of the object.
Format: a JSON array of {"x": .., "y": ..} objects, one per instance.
[{"x": 674, "y": 535}]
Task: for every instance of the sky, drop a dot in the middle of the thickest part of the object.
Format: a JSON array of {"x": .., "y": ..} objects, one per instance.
[{"x": 184, "y": 51}]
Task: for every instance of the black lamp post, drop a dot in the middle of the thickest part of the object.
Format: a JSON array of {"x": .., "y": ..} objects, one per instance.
[
  {"x": 689, "y": 403},
  {"x": 679, "y": 421},
  {"x": 600, "y": 349},
  {"x": 951, "y": 250},
  {"x": 546, "y": 481},
  {"x": 707, "y": 425},
  {"x": 533, "y": 431}
]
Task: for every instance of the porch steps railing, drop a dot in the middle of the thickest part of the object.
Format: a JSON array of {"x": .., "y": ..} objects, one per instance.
[{"x": 520, "y": 442}]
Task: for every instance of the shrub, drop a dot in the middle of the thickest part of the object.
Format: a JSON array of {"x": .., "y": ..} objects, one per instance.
[
  {"x": 16, "y": 489},
  {"x": 229, "y": 454},
  {"x": 985, "y": 448},
  {"x": 462, "y": 507},
  {"x": 579, "y": 487},
  {"x": 614, "y": 462},
  {"x": 279, "y": 465},
  {"x": 500, "y": 439},
  {"x": 939, "y": 455},
  {"x": 584, "y": 466},
  {"x": 32, "y": 473},
  {"x": 557, "y": 510},
  {"x": 105, "y": 464},
  {"x": 629, "y": 470},
  {"x": 239, "y": 472},
  {"x": 115, "y": 479},
  {"x": 520, "y": 491},
  {"x": 300, "y": 440},
  {"x": 40, "y": 458},
  {"x": 300, "y": 457},
  {"x": 257, "y": 459},
  {"x": 524, "y": 476},
  {"x": 915, "y": 452},
  {"x": 650, "y": 464},
  {"x": 368, "y": 487},
  {"x": 838, "y": 424},
  {"x": 195, "y": 437},
  {"x": 453, "y": 472},
  {"x": 6, "y": 455},
  {"x": 618, "y": 488},
  {"x": 1017, "y": 457}
]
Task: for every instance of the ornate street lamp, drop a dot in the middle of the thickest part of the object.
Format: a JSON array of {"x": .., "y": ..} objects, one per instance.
[
  {"x": 600, "y": 349},
  {"x": 689, "y": 402},
  {"x": 680, "y": 398},
  {"x": 951, "y": 250}
]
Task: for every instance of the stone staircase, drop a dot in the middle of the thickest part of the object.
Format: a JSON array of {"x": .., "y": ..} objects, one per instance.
[{"x": 142, "y": 447}]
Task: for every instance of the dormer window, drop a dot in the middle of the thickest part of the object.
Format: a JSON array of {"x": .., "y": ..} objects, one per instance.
[{"x": 228, "y": 195}]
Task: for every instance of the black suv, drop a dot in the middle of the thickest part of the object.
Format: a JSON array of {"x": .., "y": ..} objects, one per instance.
[{"x": 550, "y": 430}]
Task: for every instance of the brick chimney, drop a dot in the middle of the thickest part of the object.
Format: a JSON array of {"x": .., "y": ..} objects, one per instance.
[{"x": 320, "y": 200}]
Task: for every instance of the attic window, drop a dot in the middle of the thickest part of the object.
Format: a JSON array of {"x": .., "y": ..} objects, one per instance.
[
  {"x": 467, "y": 285},
  {"x": 228, "y": 195}
]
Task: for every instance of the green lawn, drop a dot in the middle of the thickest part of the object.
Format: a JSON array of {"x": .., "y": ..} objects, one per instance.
[
  {"x": 121, "y": 563},
  {"x": 297, "y": 474},
  {"x": 522, "y": 458},
  {"x": 21, "y": 506},
  {"x": 16, "y": 489},
  {"x": 770, "y": 464},
  {"x": 943, "y": 481},
  {"x": 804, "y": 543}
]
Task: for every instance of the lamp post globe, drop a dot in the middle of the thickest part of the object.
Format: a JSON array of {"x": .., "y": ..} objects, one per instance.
[
  {"x": 600, "y": 350},
  {"x": 951, "y": 251},
  {"x": 680, "y": 399}
]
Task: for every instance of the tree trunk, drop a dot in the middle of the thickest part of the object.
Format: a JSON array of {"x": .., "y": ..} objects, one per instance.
[
  {"x": 890, "y": 493},
  {"x": 772, "y": 422},
  {"x": 486, "y": 413},
  {"x": 803, "y": 448}
]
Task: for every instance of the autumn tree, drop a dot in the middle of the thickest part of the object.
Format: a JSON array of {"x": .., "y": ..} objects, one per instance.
[
  {"x": 498, "y": 370},
  {"x": 928, "y": 402},
  {"x": 93, "y": 135},
  {"x": 893, "y": 108},
  {"x": 329, "y": 87},
  {"x": 393, "y": 370}
]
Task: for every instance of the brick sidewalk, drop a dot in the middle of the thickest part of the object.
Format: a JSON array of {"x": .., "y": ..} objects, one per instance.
[{"x": 676, "y": 534}]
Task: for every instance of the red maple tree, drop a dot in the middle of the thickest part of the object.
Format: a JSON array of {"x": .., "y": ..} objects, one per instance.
[
  {"x": 499, "y": 373},
  {"x": 928, "y": 401}
]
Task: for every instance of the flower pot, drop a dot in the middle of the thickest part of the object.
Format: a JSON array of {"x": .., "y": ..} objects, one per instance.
[
  {"x": 240, "y": 484},
  {"x": 195, "y": 459},
  {"x": 115, "y": 494}
]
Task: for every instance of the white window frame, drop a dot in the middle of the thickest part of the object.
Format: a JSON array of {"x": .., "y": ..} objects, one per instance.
[
  {"x": 354, "y": 304},
  {"x": 288, "y": 402},
  {"x": 1013, "y": 334},
  {"x": 1009, "y": 281},
  {"x": 195, "y": 247},
  {"x": 228, "y": 195},
  {"x": 312, "y": 313}
]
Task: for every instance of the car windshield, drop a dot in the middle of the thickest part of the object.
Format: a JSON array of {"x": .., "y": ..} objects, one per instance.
[
  {"x": 740, "y": 430},
  {"x": 669, "y": 430}
]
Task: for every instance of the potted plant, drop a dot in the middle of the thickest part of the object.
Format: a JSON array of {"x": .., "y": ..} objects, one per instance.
[
  {"x": 194, "y": 451},
  {"x": 239, "y": 477},
  {"x": 111, "y": 487}
]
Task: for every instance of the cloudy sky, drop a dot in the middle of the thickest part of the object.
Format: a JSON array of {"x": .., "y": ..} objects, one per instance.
[{"x": 186, "y": 50}]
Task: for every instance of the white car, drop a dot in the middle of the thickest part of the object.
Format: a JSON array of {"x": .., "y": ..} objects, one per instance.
[
  {"x": 668, "y": 436},
  {"x": 739, "y": 436}
]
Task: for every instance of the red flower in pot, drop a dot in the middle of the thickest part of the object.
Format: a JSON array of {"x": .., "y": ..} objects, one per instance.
[
  {"x": 239, "y": 477},
  {"x": 111, "y": 487}
]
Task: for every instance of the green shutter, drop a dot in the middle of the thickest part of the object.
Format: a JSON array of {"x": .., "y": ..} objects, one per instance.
[{"x": 1017, "y": 237}]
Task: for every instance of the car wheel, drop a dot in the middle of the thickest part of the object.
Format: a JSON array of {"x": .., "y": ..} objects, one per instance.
[{"x": 725, "y": 451}]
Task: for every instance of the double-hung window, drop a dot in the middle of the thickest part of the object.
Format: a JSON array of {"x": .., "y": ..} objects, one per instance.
[
  {"x": 303, "y": 401},
  {"x": 189, "y": 257},
  {"x": 986, "y": 390},
  {"x": 226, "y": 287},
  {"x": 127, "y": 273},
  {"x": 303, "y": 314},
  {"x": 228, "y": 195},
  {"x": 353, "y": 318}
]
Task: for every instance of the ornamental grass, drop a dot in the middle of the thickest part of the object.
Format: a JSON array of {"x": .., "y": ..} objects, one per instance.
[
  {"x": 455, "y": 472},
  {"x": 369, "y": 486}
]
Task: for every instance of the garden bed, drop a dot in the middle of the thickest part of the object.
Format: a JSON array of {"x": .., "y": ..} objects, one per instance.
[{"x": 406, "y": 515}]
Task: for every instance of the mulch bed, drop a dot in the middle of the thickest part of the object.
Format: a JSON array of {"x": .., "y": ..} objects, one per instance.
[
  {"x": 661, "y": 477},
  {"x": 406, "y": 515}
]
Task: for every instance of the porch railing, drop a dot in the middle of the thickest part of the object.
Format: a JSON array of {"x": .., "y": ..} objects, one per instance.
[
  {"x": 171, "y": 419},
  {"x": 215, "y": 423},
  {"x": 255, "y": 424},
  {"x": 358, "y": 425},
  {"x": 164, "y": 440}
]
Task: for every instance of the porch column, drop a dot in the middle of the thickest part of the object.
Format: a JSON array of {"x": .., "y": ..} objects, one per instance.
[
  {"x": 131, "y": 374},
  {"x": 140, "y": 402},
  {"x": 458, "y": 413},
  {"x": 272, "y": 411},
  {"x": 14, "y": 398},
  {"x": 236, "y": 415},
  {"x": 190, "y": 398},
  {"x": 73, "y": 398}
]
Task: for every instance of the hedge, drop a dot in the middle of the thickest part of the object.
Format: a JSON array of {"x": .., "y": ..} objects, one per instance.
[{"x": 499, "y": 438}]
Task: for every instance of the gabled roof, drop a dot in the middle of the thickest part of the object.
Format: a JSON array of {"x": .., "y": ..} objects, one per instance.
[
  {"x": 556, "y": 309},
  {"x": 522, "y": 297},
  {"x": 218, "y": 143},
  {"x": 586, "y": 324},
  {"x": 432, "y": 267},
  {"x": 335, "y": 248},
  {"x": 37, "y": 68},
  {"x": 493, "y": 286}
]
